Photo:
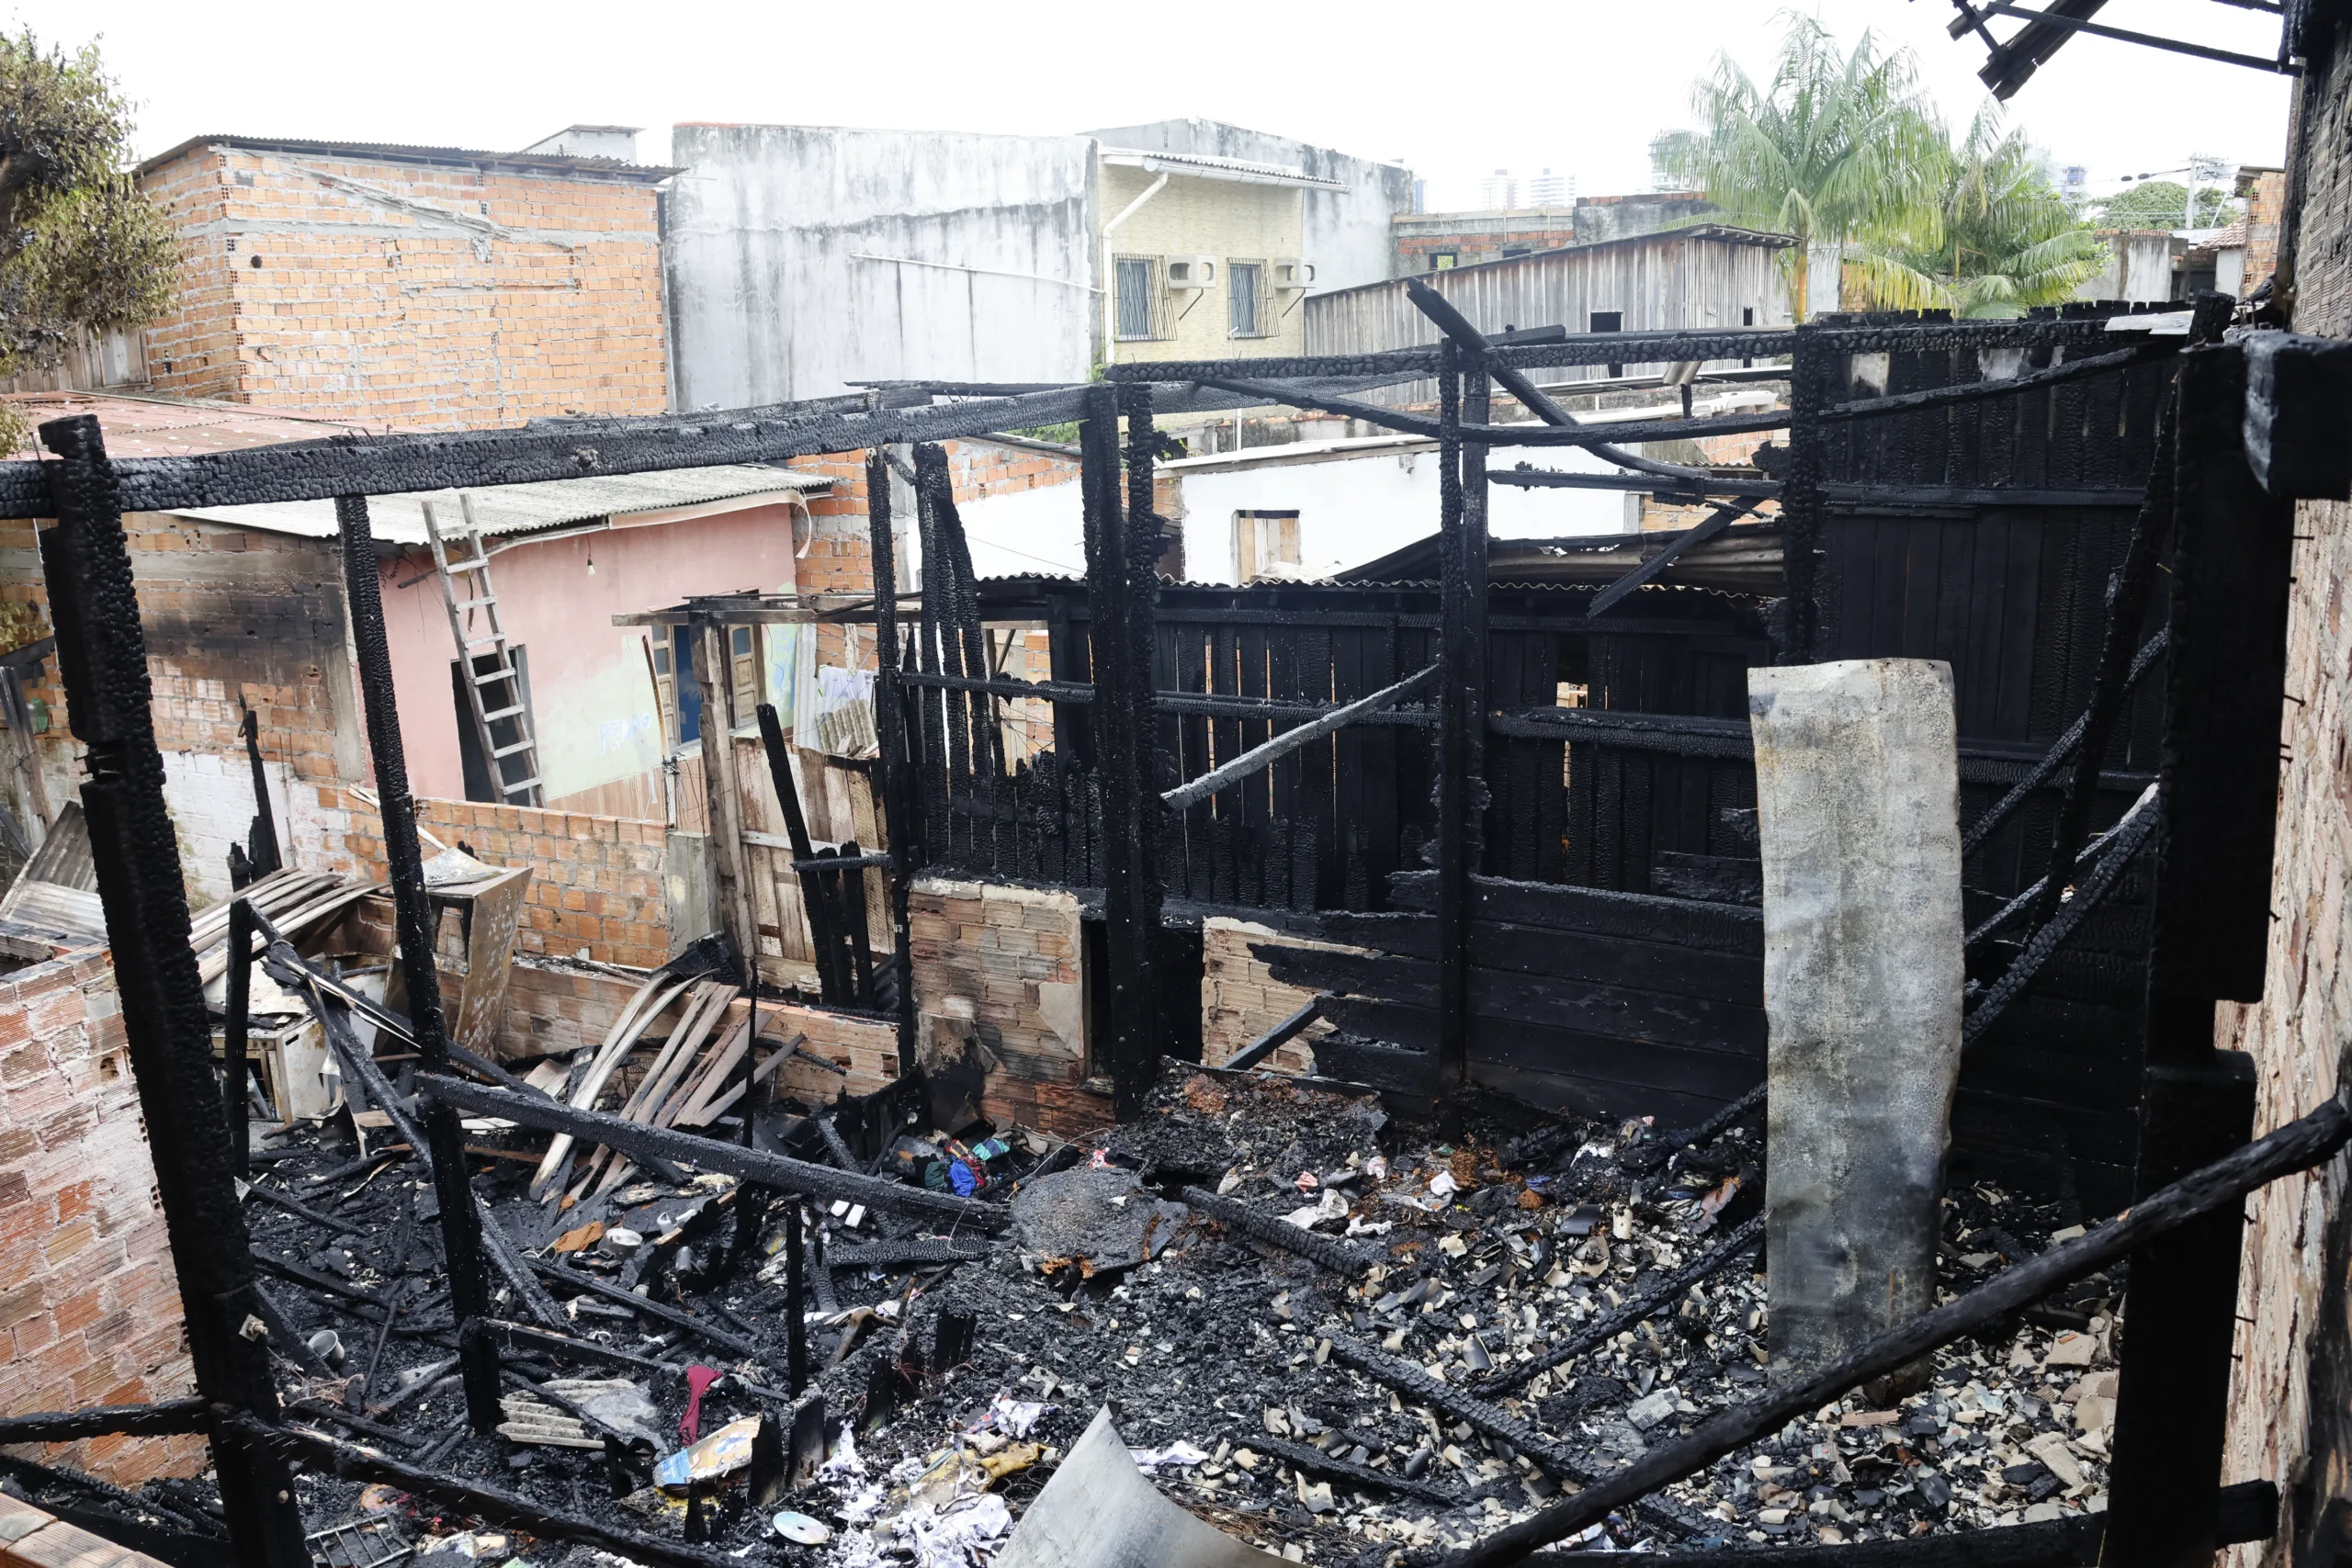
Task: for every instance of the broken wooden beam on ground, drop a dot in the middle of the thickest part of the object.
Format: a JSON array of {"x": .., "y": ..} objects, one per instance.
[{"x": 779, "y": 1171}]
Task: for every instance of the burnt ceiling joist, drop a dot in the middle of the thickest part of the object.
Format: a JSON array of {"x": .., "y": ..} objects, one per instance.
[{"x": 2011, "y": 63}]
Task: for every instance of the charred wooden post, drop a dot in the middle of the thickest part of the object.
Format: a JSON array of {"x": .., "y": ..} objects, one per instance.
[
  {"x": 2127, "y": 603},
  {"x": 1802, "y": 507},
  {"x": 234, "y": 1048},
  {"x": 2208, "y": 941},
  {"x": 102, "y": 659},
  {"x": 1122, "y": 549},
  {"x": 889, "y": 729},
  {"x": 1858, "y": 815},
  {"x": 1461, "y": 557},
  {"x": 818, "y": 890},
  {"x": 796, "y": 1301},
  {"x": 261, "y": 847},
  {"x": 414, "y": 920},
  {"x": 722, "y": 795}
]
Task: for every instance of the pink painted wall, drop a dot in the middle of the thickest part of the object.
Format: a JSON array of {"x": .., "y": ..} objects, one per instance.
[{"x": 588, "y": 693}]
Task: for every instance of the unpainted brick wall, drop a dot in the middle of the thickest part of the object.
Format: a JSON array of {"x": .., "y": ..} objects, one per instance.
[
  {"x": 2290, "y": 1403},
  {"x": 89, "y": 1304},
  {"x": 1240, "y": 999},
  {"x": 425, "y": 295},
  {"x": 596, "y": 881},
  {"x": 999, "y": 967}
]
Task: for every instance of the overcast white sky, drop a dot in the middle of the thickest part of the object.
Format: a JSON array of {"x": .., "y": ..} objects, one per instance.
[{"x": 1578, "y": 84}]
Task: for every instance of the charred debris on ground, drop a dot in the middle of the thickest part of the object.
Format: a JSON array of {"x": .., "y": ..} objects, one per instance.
[{"x": 1317, "y": 1328}]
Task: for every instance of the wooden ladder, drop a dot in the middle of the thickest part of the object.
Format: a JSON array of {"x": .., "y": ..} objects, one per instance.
[{"x": 474, "y": 623}]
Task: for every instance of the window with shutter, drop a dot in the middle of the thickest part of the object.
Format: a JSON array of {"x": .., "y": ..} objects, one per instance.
[
  {"x": 1138, "y": 280},
  {"x": 1245, "y": 295}
]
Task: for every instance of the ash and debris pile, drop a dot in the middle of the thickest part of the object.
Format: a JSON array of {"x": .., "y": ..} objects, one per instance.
[{"x": 1482, "y": 1323}]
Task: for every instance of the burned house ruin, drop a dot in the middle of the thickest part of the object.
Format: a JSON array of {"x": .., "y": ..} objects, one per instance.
[{"x": 1317, "y": 1044}]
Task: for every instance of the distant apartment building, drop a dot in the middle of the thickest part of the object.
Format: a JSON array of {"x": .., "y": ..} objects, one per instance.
[
  {"x": 1437, "y": 242},
  {"x": 806, "y": 260},
  {"x": 426, "y": 288}
]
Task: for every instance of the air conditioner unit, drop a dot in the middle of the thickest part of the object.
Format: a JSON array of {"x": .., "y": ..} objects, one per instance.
[
  {"x": 1192, "y": 272},
  {"x": 1292, "y": 273}
]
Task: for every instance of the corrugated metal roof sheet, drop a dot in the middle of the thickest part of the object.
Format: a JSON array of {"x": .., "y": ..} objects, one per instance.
[{"x": 526, "y": 509}]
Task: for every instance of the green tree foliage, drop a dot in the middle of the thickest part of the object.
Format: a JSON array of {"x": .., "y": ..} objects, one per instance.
[
  {"x": 81, "y": 250},
  {"x": 1834, "y": 147},
  {"x": 2164, "y": 204},
  {"x": 2002, "y": 240}
]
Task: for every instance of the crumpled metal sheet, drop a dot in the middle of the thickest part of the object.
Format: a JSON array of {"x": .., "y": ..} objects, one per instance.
[{"x": 1099, "y": 1512}]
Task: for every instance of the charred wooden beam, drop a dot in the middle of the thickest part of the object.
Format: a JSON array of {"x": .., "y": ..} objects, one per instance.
[
  {"x": 102, "y": 661},
  {"x": 662, "y": 1312},
  {"x": 920, "y": 1252},
  {"x": 316, "y": 1450},
  {"x": 1415, "y": 1383},
  {"x": 1527, "y": 478},
  {"x": 2249, "y": 1512},
  {"x": 828, "y": 915},
  {"x": 413, "y": 922},
  {"x": 1458, "y": 330},
  {"x": 2060, "y": 750},
  {"x": 1600, "y": 438},
  {"x": 1664, "y": 1294},
  {"x": 1462, "y": 648},
  {"x": 890, "y": 732},
  {"x": 2128, "y": 834},
  {"x": 2127, "y": 603},
  {"x": 1122, "y": 553},
  {"x": 1803, "y": 504},
  {"x": 779, "y": 1171},
  {"x": 1708, "y": 528},
  {"x": 1265, "y": 754},
  {"x": 2046, "y": 331},
  {"x": 161, "y": 1419},
  {"x": 1843, "y": 494},
  {"x": 1274, "y": 1230},
  {"x": 297, "y": 1207},
  {"x": 2209, "y": 928},
  {"x": 1274, "y": 1039},
  {"x": 1971, "y": 391},
  {"x": 2298, "y": 1146},
  {"x": 236, "y": 1068},
  {"x": 1363, "y": 1477}
]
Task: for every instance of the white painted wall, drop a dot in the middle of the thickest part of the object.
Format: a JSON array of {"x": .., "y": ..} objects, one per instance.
[
  {"x": 1351, "y": 511},
  {"x": 764, "y": 226}
]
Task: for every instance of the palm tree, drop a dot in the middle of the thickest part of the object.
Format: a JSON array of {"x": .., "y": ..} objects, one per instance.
[
  {"x": 1833, "y": 148},
  {"x": 2004, "y": 239}
]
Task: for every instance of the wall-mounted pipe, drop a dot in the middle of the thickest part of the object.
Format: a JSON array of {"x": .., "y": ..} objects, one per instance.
[{"x": 1110, "y": 268}]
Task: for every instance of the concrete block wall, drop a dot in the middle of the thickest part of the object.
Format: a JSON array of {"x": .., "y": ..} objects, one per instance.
[
  {"x": 429, "y": 296},
  {"x": 998, "y": 971},
  {"x": 89, "y": 1304},
  {"x": 1240, "y": 999}
]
